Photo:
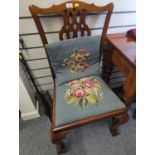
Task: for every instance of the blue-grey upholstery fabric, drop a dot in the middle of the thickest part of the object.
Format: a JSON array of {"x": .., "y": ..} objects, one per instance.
[
  {"x": 66, "y": 113},
  {"x": 60, "y": 50}
]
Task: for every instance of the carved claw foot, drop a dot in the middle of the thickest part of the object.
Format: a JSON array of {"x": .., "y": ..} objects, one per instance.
[
  {"x": 57, "y": 139},
  {"x": 114, "y": 132},
  {"x": 116, "y": 122},
  {"x": 60, "y": 146}
]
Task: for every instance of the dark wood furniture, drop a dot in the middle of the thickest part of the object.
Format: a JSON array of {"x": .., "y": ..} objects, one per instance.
[
  {"x": 122, "y": 53},
  {"x": 70, "y": 11}
]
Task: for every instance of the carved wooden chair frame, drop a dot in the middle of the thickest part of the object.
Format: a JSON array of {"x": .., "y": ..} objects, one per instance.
[{"x": 72, "y": 9}]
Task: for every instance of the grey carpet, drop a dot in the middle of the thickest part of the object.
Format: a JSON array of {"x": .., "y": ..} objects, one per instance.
[{"x": 91, "y": 139}]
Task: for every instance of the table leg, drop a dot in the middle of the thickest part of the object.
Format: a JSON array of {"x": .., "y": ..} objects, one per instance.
[
  {"x": 109, "y": 65},
  {"x": 129, "y": 87}
]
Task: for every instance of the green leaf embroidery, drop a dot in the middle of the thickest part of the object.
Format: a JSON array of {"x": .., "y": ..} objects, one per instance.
[
  {"x": 92, "y": 99},
  {"x": 98, "y": 85},
  {"x": 84, "y": 102},
  {"x": 71, "y": 99},
  {"x": 74, "y": 59},
  {"x": 84, "y": 91},
  {"x": 80, "y": 103}
]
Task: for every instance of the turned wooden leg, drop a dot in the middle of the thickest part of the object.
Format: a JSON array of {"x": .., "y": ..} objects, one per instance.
[
  {"x": 109, "y": 66},
  {"x": 57, "y": 139},
  {"x": 117, "y": 121},
  {"x": 129, "y": 87},
  {"x": 108, "y": 73}
]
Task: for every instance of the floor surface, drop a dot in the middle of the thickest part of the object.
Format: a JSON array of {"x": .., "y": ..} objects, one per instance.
[{"x": 92, "y": 139}]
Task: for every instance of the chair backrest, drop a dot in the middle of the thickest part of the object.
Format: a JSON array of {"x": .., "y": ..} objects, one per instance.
[{"x": 70, "y": 11}]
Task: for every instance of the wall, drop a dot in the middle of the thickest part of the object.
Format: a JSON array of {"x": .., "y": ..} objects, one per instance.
[
  {"x": 26, "y": 83},
  {"x": 123, "y": 18},
  {"x": 27, "y": 103}
]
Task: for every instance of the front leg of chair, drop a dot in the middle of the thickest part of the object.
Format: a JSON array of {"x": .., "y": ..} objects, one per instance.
[
  {"x": 117, "y": 121},
  {"x": 57, "y": 139}
]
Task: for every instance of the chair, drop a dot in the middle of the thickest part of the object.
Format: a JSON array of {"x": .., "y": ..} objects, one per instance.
[{"x": 80, "y": 94}]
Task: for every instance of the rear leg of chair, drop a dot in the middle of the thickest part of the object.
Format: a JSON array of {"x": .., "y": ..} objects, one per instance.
[
  {"x": 57, "y": 139},
  {"x": 117, "y": 121},
  {"x": 60, "y": 146}
]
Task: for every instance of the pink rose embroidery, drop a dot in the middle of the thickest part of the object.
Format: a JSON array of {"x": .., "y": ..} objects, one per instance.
[
  {"x": 79, "y": 58},
  {"x": 85, "y": 66},
  {"x": 89, "y": 83},
  {"x": 84, "y": 91},
  {"x": 74, "y": 82},
  {"x": 76, "y": 61},
  {"x": 82, "y": 50},
  {"x": 79, "y": 93},
  {"x": 70, "y": 63}
]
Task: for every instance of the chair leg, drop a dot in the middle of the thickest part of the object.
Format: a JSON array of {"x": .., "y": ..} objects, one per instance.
[
  {"x": 117, "y": 121},
  {"x": 57, "y": 139}
]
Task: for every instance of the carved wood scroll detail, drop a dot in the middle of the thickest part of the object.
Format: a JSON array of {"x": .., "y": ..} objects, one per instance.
[{"x": 73, "y": 27}]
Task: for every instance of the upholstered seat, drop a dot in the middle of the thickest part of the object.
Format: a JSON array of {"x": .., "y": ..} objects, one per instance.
[
  {"x": 68, "y": 113},
  {"x": 78, "y": 107}
]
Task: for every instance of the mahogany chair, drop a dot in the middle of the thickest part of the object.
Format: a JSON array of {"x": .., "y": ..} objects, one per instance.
[{"x": 80, "y": 94}]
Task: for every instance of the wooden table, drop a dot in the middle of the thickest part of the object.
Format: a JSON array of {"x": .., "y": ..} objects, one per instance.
[{"x": 122, "y": 53}]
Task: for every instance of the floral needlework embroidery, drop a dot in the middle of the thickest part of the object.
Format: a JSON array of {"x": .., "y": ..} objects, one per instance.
[
  {"x": 84, "y": 91},
  {"x": 76, "y": 61}
]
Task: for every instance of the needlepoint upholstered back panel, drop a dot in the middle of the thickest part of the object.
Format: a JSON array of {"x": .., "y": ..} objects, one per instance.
[{"x": 74, "y": 58}]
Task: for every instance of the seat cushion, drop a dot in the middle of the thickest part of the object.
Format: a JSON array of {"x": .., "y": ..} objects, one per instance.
[
  {"x": 74, "y": 58},
  {"x": 83, "y": 98}
]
